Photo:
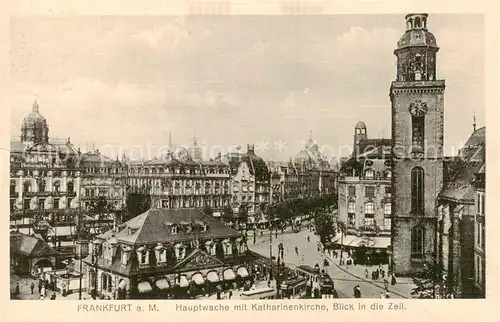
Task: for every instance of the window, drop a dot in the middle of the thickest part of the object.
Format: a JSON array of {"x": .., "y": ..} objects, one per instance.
[
  {"x": 143, "y": 259},
  {"x": 162, "y": 255},
  {"x": 26, "y": 204},
  {"x": 70, "y": 187},
  {"x": 41, "y": 186},
  {"x": 56, "y": 203},
  {"x": 228, "y": 247},
  {"x": 351, "y": 217},
  {"x": 41, "y": 204},
  {"x": 417, "y": 134},
  {"x": 180, "y": 251},
  {"x": 417, "y": 190},
  {"x": 483, "y": 204},
  {"x": 388, "y": 190},
  {"x": 387, "y": 209},
  {"x": 351, "y": 208},
  {"x": 352, "y": 191},
  {"x": 369, "y": 214},
  {"x": 12, "y": 204},
  {"x": 370, "y": 191},
  {"x": 27, "y": 186},
  {"x": 387, "y": 223},
  {"x": 173, "y": 230},
  {"x": 417, "y": 242},
  {"x": 369, "y": 174},
  {"x": 12, "y": 187},
  {"x": 57, "y": 186}
]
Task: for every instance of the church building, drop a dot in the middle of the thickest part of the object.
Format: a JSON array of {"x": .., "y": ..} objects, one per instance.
[{"x": 417, "y": 98}]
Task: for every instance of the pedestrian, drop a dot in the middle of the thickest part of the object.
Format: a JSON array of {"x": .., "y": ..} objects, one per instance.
[
  {"x": 386, "y": 285},
  {"x": 393, "y": 279},
  {"x": 17, "y": 291},
  {"x": 32, "y": 287},
  {"x": 53, "y": 296},
  {"x": 383, "y": 273},
  {"x": 366, "y": 272},
  {"x": 357, "y": 292},
  {"x": 387, "y": 295},
  {"x": 373, "y": 275},
  {"x": 230, "y": 294},
  {"x": 43, "y": 291},
  {"x": 382, "y": 295},
  {"x": 39, "y": 286}
]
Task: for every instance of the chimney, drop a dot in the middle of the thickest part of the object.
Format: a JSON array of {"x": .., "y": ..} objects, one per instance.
[{"x": 250, "y": 147}]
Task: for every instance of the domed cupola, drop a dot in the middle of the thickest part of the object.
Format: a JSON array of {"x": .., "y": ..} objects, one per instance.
[
  {"x": 34, "y": 128},
  {"x": 416, "y": 50}
]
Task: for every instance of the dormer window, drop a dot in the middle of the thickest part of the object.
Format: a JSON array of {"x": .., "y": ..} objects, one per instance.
[
  {"x": 125, "y": 255},
  {"x": 369, "y": 174},
  {"x": 180, "y": 251},
  {"x": 210, "y": 247},
  {"x": 228, "y": 247},
  {"x": 143, "y": 255},
  {"x": 204, "y": 227},
  {"x": 161, "y": 254}
]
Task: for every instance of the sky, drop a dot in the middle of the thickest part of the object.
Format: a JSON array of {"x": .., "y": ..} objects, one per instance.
[{"x": 123, "y": 82}]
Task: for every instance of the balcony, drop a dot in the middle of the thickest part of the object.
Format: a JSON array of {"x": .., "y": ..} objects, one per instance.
[{"x": 49, "y": 194}]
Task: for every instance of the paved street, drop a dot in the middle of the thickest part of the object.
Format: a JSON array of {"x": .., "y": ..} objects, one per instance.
[{"x": 345, "y": 277}]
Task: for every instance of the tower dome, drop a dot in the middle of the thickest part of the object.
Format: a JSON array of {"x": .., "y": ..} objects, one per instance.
[
  {"x": 416, "y": 32},
  {"x": 34, "y": 127},
  {"x": 416, "y": 51},
  {"x": 360, "y": 125}
]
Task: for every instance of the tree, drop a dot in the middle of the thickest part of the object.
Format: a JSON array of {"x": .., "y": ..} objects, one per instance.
[
  {"x": 227, "y": 214},
  {"x": 209, "y": 211},
  {"x": 428, "y": 283},
  {"x": 324, "y": 227},
  {"x": 101, "y": 206},
  {"x": 137, "y": 204}
]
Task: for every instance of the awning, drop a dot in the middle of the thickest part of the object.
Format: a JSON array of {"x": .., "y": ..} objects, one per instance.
[
  {"x": 122, "y": 285},
  {"x": 198, "y": 279},
  {"x": 62, "y": 231},
  {"x": 144, "y": 287},
  {"x": 337, "y": 238},
  {"x": 229, "y": 275},
  {"x": 242, "y": 271},
  {"x": 162, "y": 284},
  {"x": 183, "y": 281},
  {"x": 216, "y": 214},
  {"x": 377, "y": 242},
  {"x": 213, "y": 277}
]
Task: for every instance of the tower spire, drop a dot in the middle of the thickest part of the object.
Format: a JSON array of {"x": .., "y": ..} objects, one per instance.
[
  {"x": 170, "y": 140},
  {"x": 35, "y": 106},
  {"x": 474, "y": 121}
]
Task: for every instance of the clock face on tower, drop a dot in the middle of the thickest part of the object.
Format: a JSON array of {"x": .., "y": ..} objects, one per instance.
[{"x": 418, "y": 108}]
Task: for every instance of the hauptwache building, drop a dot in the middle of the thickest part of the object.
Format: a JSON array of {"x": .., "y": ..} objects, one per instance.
[{"x": 168, "y": 253}]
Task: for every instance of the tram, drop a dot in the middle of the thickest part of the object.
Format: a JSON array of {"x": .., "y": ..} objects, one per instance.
[{"x": 259, "y": 294}]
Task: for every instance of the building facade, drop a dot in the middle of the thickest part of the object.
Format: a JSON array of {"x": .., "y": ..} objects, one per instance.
[
  {"x": 250, "y": 182},
  {"x": 365, "y": 198},
  {"x": 168, "y": 253},
  {"x": 179, "y": 182},
  {"x": 461, "y": 240},
  {"x": 45, "y": 183},
  {"x": 417, "y": 99}
]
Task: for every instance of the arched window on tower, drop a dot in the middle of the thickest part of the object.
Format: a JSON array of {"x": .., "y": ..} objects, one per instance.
[
  {"x": 417, "y": 190},
  {"x": 417, "y": 22},
  {"x": 417, "y": 242},
  {"x": 417, "y": 133}
]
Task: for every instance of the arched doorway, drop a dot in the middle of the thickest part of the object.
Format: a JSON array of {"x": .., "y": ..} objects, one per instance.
[{"x": 41, "y": 265}]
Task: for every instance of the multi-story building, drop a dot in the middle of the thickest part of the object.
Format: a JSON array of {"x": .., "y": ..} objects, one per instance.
[
  {"x": 250, "y": 182},
  {"x": 461, "y": 220},
  {"x": 165, "y": 253},
  {"x": 479, "y": 235},
  {"x": 364, "y": 199},
  {"x": 417, "y": 99},
  {"x": 316, "y": 177},
  {"x": 179, "y": 182},
  {"x": 45, "y": 183}
]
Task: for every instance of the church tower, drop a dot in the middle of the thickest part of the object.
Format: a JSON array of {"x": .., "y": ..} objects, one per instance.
[{"x": 417, "y": 142}]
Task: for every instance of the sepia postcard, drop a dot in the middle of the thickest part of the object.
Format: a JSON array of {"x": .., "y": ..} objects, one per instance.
[{"x": 322, "y": 160}]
